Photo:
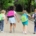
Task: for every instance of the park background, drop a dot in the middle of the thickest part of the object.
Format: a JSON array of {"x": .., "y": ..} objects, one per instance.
[{"x": 19, "y": 5}]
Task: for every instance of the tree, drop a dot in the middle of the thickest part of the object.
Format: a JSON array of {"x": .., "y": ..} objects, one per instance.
[
  {"x": 22, "y": 3},
  {"x": 3, "y": 3}
]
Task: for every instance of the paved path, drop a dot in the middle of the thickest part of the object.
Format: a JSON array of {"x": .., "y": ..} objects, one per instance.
[{"x": 18, "y": 30}]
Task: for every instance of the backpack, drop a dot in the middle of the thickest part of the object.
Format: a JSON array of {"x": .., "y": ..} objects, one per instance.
[
  {"x": 10, "y": 13},
  {"x": 24, "y": 18}
]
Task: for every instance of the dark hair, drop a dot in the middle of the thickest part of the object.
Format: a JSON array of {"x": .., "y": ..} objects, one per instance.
[{"x": 10, "y": 8}]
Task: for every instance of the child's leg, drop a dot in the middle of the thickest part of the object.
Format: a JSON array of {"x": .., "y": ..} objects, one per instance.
[
  {"x": 2, "y": 26},
  {"x": 24, "y": 27},
  {"x": 34, "y": 29},
  {"x": 25, "y": 30},
  {"x": 14, "y": 26},
  {"x": 11, "y": 27}
]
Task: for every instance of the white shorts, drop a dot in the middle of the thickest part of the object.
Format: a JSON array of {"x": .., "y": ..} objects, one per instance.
[{"x": 12, "y": 20}]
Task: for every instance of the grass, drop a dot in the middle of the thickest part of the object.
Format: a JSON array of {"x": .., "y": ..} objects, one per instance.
[{"x": 22, "y": 13}]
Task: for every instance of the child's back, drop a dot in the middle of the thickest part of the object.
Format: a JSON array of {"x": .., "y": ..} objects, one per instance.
[
  {"x": 24, "y": 17},
  {"x": 1, "y": 16}
]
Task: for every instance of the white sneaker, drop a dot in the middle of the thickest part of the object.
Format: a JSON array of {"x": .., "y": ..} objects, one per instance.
[
  {"x": 2, "y": 31},
  {"x": 25, "y": 32}
]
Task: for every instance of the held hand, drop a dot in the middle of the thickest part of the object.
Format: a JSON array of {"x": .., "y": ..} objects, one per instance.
[
  {"x": 18, "y": 20},
  {"x": 7, "y": 22}
]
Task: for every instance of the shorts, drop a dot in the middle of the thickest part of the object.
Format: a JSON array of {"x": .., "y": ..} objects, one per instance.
[
  {"x": 25, "y": 23},
  {"x": 12, "y": 20}
]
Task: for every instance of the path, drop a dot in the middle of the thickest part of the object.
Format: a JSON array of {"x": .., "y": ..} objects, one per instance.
[{"x": 18, "y": 30}]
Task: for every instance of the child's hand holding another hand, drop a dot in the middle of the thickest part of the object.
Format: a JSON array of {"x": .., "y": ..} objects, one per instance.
[
  {"x": 6, "y": 22},
  {"x": 18, "y": 20}
]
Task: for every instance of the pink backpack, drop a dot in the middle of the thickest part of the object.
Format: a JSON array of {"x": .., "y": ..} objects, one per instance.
[{"x": 10, "y": 13}]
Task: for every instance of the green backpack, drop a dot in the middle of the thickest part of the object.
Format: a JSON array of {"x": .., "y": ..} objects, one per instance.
[
  {"x": 24, "y": 18},
  {"x": 1, "y": 17}
]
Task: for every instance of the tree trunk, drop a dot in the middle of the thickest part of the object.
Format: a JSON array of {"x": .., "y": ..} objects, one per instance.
[{"x": 29, "y": 6}]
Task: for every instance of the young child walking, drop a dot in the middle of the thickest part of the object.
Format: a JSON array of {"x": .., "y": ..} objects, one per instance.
[
  {"x": 2, "y": 18},
  {"x": 11, "y": 18},
  {"x": 34, "y": 17},
  {"x": 24, "y": 19}
]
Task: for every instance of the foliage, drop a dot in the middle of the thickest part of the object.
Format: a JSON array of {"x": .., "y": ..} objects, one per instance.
[{"x": 5, "y": 3}]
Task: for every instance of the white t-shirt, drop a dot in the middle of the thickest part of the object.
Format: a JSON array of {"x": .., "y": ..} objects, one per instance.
[
  {"x": 14, "y": 12},
  {"x": 4, "y": 16},
  {"x": 33, "y": 15}
]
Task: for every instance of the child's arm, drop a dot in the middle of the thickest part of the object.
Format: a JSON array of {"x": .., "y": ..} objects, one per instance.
[
  {"x": 33, "y": 16},
  {"x": 29, "y": 15},
  {"x": 17, "y": 17},
  {"x": 5, "y": 19}
]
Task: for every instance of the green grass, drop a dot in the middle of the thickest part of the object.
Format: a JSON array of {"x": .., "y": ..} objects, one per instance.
[
  {"x": 22, "y": 13},
  {"x": 31, "y": 13}
]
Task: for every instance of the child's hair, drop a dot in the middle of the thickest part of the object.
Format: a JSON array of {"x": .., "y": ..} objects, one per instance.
[
  {"x": 10, "y": 8},
  {"x": 34, "y": 9},
  {"x": 3, "y": 11},
  {"x": 24, "y": 11}
]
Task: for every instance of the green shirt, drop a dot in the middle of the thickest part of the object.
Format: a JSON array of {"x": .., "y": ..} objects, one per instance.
[{"x": 1, "y": 16}]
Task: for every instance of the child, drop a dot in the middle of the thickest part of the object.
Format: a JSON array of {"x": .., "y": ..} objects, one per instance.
[
  {"x": 2, "y": 18},
  {"x": 11, "y": 18},
  {"x": 34, "y": 16},
  {"x": 24, "y": 19}
]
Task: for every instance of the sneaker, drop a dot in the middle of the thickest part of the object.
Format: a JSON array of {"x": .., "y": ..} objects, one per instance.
[
  {"x": 25, "y": 32},
  {"x": 10, "y": 31},
  {"x": 34, "y": 33},
  {"x": 2, "y": 31}
]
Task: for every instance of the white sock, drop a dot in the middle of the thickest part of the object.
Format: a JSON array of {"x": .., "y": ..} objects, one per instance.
[{"x": 25, "y": 32}]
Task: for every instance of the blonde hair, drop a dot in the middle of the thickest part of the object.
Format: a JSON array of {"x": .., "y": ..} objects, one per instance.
[
  {"x": 24, "y": 11},
  {"x": 3, "y": 11}
]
